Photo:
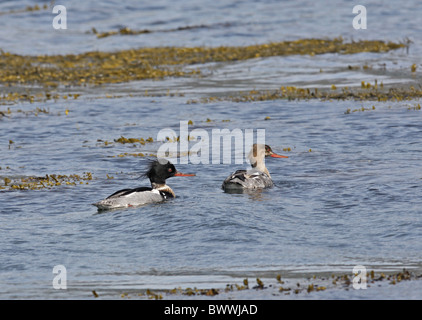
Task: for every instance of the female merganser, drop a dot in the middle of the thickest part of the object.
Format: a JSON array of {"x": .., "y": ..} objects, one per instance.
[
  {"x": 158, "y": 172},
  {"x": 258, "y": 176}
]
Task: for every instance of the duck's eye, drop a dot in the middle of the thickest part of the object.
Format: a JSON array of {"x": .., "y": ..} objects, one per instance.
[{"x": 170, "y": 169}]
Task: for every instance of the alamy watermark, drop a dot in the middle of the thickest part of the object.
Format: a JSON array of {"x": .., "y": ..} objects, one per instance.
[
  {"x": 359, "y": 279},
  {"x": 359, "y": 21},
  {"x": 216, "y": 148},
  {"x": 60, "y": 278},
  {"x": 60, "y": 21}
]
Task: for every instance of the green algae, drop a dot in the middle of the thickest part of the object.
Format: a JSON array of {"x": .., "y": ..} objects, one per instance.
[
  {"x": 123, "y": 140},
  {"x": 49, "y": 181},
  {"x": 11, "y": 98},
  {"x": 127, "y": 31},
  {"x": 127, "y": 154},
  {"x": 371, "y": 93},
  {"x": 34, "y": 112},
  {"x": 310, "y": 285},
  {"x": 26, "y": 9},
  {"x": 132, "y": 141},
  {"x": 415, "y": 107},
  {"x": 142, "y": 141},
  {"x": 362, "y": 109},
  {"x": 96, "y": 68}
]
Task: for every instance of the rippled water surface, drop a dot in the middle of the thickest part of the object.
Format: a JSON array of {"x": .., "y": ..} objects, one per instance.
[{"x": 349, "y": 193}]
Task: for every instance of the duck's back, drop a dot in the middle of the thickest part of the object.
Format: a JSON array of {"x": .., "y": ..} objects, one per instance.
[
  {"x": 132, "y": 197},
  {"x": 247, "y": 179}
]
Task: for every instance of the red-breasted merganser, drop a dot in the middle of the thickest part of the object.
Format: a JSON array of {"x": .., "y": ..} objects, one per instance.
[
  {"x": 158, "y": 172},
  {"x": 256, "y": 178}
]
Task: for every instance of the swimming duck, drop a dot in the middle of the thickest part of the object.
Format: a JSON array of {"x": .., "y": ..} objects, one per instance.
[
  {"x": 158, "y": 172},
  {"x": 256, "y": 178}
]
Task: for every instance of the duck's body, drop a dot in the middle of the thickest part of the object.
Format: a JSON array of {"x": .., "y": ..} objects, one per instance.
[
  {"x": 158, "y": 192},
  {"x": 256, "y": 178},
  {"x": 134, "y": 197},
  {"x": 247, "y": 179}
]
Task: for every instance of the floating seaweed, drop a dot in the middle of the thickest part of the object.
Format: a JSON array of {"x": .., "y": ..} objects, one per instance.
[
  {"x": 139, "y": 154},
  {"x": 15, "y": 97},
  {"x": 127, "y": 31},
  {"x": 362, "y": 109},
  {"x": 97, "y": 68},
  {"x": 309, "y": 286},
  {"x": 415, "y": 107},
  {"x": 49, "y": 181},
  {"x": 142, "y": 141},
  {"x": 26, "y": 9},
  {"x": 413, "y": 67},
  {"x": 367, "y": 92}
]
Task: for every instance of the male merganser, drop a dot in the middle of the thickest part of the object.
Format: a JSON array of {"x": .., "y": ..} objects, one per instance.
[
  {"x": 158, "y": 172},
  {"x": 256, "y": 178}
]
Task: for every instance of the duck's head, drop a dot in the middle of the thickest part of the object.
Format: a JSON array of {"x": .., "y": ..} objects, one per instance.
[
  {"x": 161, "y": 169},
  {"x": 270, "y": 153},
  {"x": 260, "y": 151}
]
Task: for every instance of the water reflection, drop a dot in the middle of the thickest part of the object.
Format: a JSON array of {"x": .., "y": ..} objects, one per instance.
[{"x": 254, "y": 194}]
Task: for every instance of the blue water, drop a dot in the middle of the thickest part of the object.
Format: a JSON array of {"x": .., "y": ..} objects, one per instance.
[{"x": 349, "y": 193}]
